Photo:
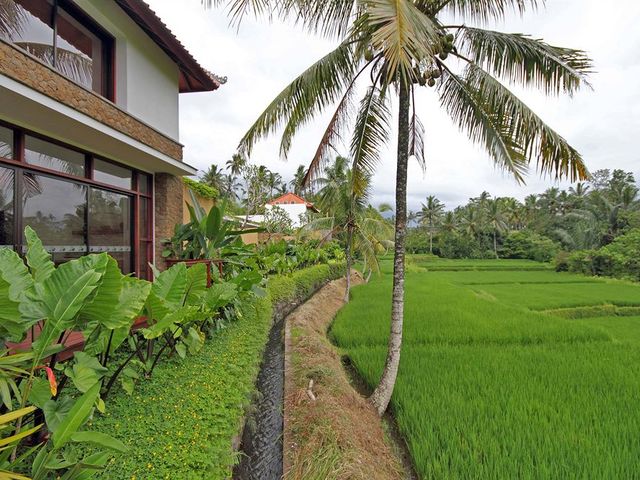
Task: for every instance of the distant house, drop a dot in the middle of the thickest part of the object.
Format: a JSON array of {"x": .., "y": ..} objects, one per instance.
[
  {"x": 294, "y": 206},
  {"x": 90, "y": 155}
]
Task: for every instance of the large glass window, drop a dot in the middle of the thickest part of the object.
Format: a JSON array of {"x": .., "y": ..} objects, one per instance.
[
  {"x": 7, "y": 177},
  {"x": 77, "y": 203},
  {"x": 56, "y": 210},
  {"x": 6, "y": 143},
  {"x": 106, "y": 172},
  {"x": 61, "y": 37},
  {"x": 54, "y": 157},
  {"x": 110, "y": 228}
]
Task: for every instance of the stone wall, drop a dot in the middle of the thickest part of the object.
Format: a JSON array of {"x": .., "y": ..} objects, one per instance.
[
  {"x": 26, "y": 69},
  {"x": 169, "y": 198}
]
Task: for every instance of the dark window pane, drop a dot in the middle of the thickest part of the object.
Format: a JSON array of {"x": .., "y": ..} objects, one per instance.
[
  {"x": 144, "y": 183},
  {"x": 110, "y": 226},
  {"x": 145, "y": 258},
  {"x": 52, "y": 156},
  {"x": 56, "y": 209},
  {"x": 6, "y": 206},
  {"x": 145, "y": 234},
  {"x": 29, "y": 26},
  {"x": 6, "y": 143},
  {"x": 111, "y": 174},
  {"x": 78, "y": 52}
]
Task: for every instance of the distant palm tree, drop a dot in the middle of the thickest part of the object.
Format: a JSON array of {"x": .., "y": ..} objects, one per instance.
[
  {"x": 495, "y": 219},
  {"x": 273, "y": 181},
  {"x": 297, "y": 184},
  {"x": 395, "y": 46},
  {"x": 430, "y": 215},
  {"x": 235, "y": 166},
  {"x": 214, "y": 177},
  {"x": 449, "y": 223}
]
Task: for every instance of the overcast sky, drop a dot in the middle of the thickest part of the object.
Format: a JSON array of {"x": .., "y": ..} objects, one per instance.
[{"x": 261, "y": 59}]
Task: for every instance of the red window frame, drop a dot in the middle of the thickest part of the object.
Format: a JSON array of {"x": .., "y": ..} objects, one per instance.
[{"x": 135, "y": 193}]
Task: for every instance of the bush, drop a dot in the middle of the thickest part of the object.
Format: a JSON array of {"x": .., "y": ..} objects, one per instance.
[
  {"x": 619, "y": 259},
  {"x": 203, "y": 190},
  {"x": 180, "y": 424},
  {"x": 562, "y": 261},
  {"x": 527, "y": 245}
]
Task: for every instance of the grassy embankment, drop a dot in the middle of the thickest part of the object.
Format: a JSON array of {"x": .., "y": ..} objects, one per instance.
[{"x": 491, "y": 385}]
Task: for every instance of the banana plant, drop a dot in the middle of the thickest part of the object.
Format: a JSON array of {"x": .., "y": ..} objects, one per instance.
[{"x": 206, "y": 234}]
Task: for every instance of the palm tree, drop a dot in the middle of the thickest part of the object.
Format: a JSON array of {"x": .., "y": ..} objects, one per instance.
[
  {"x": 214, "y": 177},
  {"x": 235, "y": 166},
  {"x": 430, "y": 214},
  {"x": 273, "y": 181},
  {"x": 297, "y": 184},
  {"x": 496, "y": 221},
  {"x": 404, "y": 44}
]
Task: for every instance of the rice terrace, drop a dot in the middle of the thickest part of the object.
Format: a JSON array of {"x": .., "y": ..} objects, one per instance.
[{"x": 504, "y": 373}]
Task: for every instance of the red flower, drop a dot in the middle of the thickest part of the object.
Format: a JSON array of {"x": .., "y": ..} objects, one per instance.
[{"x": 53, "y": 385}]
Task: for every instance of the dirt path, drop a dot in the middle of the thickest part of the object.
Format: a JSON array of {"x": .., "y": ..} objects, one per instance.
[{"x": 330, "y": 431}]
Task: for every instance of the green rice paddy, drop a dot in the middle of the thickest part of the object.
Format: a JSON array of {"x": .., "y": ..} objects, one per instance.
[{"x": 491, "y": 386}]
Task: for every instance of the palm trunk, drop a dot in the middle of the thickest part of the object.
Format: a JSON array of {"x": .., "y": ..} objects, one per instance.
[
  {"x": 349, "y": 261},
  {"x": 430, "y": 241},
  {"x": 495, "y": 244},
  {"x": 382, "y": 394}
]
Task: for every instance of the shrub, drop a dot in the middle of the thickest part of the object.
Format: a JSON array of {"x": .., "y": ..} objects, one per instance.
[
  {"x": 527, "y": 245},
  {"x": 562, "y": 261},
  {"x": 205, "y": 191},
  {"x": 620, "y": 259}
]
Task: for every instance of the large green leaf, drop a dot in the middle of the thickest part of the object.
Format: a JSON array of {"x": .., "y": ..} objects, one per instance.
[
  {"x": 106, "y": 297},
  {"x": 15, "y": 272},
  {"x": 99, "y": 439},
  {"x": 171, "y": 284},
  {"x": 214, "y": 221},
  {"x": 196, "y": 284},
  {"x": 55, "y": 411},
  {"x": 171, "y": 320},
  {"x": 63, "y": 295},
  {"x": 12, "y": 326},
  {"x": 220, "y": 295},
  {"x": 85, "y": 372},
  {"x": 76, "y": 417},
  {"x": 38, "y": 259}
]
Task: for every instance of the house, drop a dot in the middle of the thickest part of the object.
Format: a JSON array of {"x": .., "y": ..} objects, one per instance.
[
  {"x": 293, "y": 205},
  {"x": 90, "y": 155}
]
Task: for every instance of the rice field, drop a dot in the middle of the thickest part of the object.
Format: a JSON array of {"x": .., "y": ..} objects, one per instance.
[{"x": 491, "y": 386}]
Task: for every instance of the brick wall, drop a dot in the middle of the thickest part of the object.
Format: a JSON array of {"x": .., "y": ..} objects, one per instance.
[
  {"x": 26, "y": 69},
  {"x": 169, "y": 199}
]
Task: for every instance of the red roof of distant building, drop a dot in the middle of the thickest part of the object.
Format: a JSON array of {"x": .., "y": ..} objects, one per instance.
[
  {"x": 292, "y": 199},
  {"x": 193, "y": 77}
]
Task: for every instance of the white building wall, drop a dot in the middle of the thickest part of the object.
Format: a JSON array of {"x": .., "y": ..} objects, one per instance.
[
  {"x": 146, "y": 78},
  {"x": 293, "y": 211}
]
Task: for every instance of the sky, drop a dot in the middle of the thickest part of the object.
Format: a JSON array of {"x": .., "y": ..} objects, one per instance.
[{"x": 261, "y": 58}]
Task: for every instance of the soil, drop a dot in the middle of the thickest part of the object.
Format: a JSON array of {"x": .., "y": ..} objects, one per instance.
[{"x": 330, "y": 429}]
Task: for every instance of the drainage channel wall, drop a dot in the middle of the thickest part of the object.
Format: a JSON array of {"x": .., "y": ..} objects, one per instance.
[{"x": 261, "y": 447}]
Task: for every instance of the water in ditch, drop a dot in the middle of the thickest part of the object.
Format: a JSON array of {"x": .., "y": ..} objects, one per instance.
[{"x": 262, "y": 437}]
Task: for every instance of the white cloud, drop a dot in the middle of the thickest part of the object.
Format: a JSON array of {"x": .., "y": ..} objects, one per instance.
[{"x": 260, "y": 59}]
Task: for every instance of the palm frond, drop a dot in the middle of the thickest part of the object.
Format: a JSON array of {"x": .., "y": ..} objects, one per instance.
[
  {"x": 319, "y": 86},
  {"x": 416, "y": 138},
  {"x": 540, "y": 143},
  {"x": 487, "y": 10},
  {"x": 529, "y": 61},
  {"x": 402, "y": 33},
  {"x": 371, "y": 132},
  {"x": 464, "y": 103}
]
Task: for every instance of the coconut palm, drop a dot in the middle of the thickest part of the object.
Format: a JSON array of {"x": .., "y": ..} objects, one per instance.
[
  {"x": 396, "y": 46},
  {"x": 430, "y": 215},
  {"x": 214, "y": 177},
  {"x": 495, "y": 220},
  {"x": 297, "y": 184}
]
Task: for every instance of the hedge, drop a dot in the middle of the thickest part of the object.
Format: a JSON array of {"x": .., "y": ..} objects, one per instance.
[
  {"x": 205, "y": 191},
  {"x": 180, "y": 424}
]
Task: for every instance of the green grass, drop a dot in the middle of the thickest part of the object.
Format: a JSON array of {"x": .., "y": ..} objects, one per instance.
[{"x": 489, "y": 387}]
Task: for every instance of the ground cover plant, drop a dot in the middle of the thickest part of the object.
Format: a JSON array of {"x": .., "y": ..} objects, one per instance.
[
  {"x": 180, "y": 424},
  {"x": 491, "y": 387}
]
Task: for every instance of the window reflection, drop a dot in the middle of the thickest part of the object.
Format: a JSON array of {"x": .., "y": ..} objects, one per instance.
[
  {"x": 111, "y": 174},
  {"x": 7, "y": 179},
  {"x": 56, "y": 210},
  {"x": 6, "y": 143},
  {"x": 29, "y": 26},
  {"x": 110, "y": 226},
  {"x": 49, "y": 155}
]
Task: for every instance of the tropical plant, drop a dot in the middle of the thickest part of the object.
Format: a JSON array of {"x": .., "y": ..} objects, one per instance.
[
  {"x": 215, "y": 178},
  {"x": 404, "y": 44},
  {"x": 430, "y": 215}
]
